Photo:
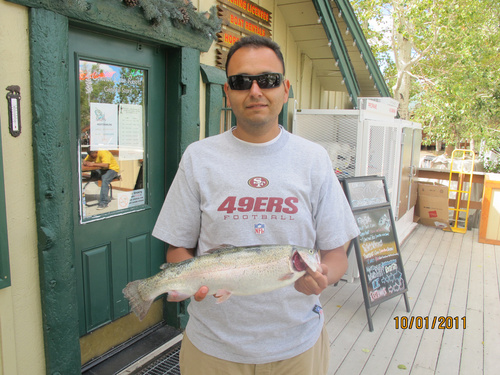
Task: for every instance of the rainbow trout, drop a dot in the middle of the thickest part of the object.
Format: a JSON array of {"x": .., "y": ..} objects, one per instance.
[{"x": 225, "y": 271}]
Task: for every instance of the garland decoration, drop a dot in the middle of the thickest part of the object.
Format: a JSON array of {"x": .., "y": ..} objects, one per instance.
[{"x": 181, "y": 13}]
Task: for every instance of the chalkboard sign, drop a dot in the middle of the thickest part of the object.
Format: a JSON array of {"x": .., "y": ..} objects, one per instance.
[{"x": 377, "y": 247}]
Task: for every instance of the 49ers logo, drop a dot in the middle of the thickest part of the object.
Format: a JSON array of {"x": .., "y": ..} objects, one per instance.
[
  {"x": 259, "y": 204},
  {"x": 258, "y": 182}
]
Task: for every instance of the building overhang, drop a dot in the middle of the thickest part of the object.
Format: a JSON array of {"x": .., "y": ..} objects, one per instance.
[{"x": 329, "y": 34}]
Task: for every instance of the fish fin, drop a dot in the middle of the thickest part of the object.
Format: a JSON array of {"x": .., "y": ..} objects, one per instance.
[
  {"x": 222, "y": 295},
  {"x": 313, "y": 267},
  {"x": 223, "y": 247},
  {"x": 286, "y": 276},
  {"x": 175, "y": 296},
  {"x": 138, "y": 305}
]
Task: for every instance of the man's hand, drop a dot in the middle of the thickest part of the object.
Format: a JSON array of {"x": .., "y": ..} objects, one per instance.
[
  {"x": 313, "y": 282},
  {"x": 178, "y": 254},
  {"x": 201, "y": 293},
  {"x": 333, "y": 265}
]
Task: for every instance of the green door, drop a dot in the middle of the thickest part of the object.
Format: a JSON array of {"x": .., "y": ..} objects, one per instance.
[{"x": 118, "y": 90}]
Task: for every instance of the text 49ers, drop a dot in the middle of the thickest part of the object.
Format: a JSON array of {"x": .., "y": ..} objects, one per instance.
[{"x": 259, "y": 204}]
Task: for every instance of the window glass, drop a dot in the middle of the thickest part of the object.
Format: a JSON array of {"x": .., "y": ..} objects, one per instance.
[{"x": 112, "y": 138}]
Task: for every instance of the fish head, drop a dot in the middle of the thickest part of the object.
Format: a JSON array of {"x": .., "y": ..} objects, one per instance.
[{"x": 303, "y": 257}]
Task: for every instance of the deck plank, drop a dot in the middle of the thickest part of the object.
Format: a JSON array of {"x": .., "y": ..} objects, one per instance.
[
  {"x": 366, "y": 341},
  {"x": 363, "y": 342},
  {"x": 381, "y": 355},
  {"x": 472, "y": 348},
  {"x": 344, "y": 292},
  {"x": 422, "y": 289},
  {"x": 451, "y": 345},
  {"x": 428, "y": 351},
  {"x": 449, "y": 275}
]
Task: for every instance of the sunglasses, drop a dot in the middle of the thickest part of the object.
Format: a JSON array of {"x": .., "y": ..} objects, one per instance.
[{"x": 265, "y": 81}]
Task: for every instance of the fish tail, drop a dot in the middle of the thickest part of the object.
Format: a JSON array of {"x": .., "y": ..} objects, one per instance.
[{"x": 137, "y": 304}]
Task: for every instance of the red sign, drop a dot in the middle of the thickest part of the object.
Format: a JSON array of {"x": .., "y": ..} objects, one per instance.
[
  {"x": 249, "y": 8},
  {"x": 241, "y": 23}
]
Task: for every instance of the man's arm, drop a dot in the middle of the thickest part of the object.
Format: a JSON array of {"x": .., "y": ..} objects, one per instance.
[
  {"x": 178, "y": 254},
  {"x": 104, "y": 164},
  {"x": 94, "y": 164},
  {"x": 333, "y": 267}
]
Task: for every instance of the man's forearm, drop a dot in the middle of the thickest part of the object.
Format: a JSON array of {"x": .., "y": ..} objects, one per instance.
[
  {"x": 336, "y": 260},
  {"x": 178, "y": 254}
]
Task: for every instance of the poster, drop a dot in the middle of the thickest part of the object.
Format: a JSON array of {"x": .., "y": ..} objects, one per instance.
[
  {"x": 103, "y": 126},
  {"x": 131, "y": 198},
  {"x": 131, "y": 132}
]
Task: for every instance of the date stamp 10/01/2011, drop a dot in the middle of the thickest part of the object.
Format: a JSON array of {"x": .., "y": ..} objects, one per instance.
[{"x": 426, "y": 322}]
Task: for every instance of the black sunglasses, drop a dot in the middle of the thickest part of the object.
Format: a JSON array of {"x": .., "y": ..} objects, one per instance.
[{"x": 265, "y": 81}]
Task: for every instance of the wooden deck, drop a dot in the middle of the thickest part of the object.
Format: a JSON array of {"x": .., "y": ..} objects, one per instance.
[{"x": 449, "y": 275}]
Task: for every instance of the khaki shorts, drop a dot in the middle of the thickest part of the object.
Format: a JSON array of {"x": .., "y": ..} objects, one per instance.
[{"x": 312, "y": 362}]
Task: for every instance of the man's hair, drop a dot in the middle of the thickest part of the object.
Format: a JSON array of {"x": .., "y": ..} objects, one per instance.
[{"x": 256, "y": 41}]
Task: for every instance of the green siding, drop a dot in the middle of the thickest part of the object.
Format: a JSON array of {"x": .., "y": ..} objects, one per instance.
[
  {"x": 183, "y": 128},
  {"x": 53, "y": 189}
]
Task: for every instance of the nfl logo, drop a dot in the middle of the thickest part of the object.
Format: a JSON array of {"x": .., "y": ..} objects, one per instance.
[{"x": 259, "y": 228}]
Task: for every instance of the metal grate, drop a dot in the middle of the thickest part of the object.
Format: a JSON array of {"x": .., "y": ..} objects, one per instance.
[
  {"x": 336, "y": 131},
  {"x": 167, "y": 363}
]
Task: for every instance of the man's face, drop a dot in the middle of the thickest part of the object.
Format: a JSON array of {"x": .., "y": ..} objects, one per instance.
[
  {"x": 256, "y": 107},
  {"x": 93, "y": 154}
]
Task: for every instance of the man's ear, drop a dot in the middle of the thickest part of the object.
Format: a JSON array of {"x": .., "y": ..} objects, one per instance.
[
  {"x": 286, "y": 83},
  {"x": 226, "y": 90}
]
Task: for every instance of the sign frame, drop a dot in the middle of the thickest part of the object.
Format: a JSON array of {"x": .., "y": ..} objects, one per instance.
[{"x": 365, "y": 206}]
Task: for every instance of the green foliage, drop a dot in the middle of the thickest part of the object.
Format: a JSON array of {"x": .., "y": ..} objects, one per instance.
[{"x": 455, "y": 91}]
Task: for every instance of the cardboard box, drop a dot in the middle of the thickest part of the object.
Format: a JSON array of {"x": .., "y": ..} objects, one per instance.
[{"x": 432, "y": 205}]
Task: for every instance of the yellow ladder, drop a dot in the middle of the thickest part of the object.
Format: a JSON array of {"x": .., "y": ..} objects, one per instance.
[{"x": 465, "y": 171}]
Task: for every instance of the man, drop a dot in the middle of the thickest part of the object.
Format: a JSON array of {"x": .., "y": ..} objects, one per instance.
[
  {"x": 257, "y": 184},
  {"x": 108, "y": 170}
]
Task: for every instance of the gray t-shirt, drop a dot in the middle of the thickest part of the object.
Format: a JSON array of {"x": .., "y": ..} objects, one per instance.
[{"x": 230, "y": 192}]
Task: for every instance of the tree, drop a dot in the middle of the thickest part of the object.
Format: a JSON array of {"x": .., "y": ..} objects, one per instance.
[
  {"x": 402, "y": 33},
  {"x": 443, "y": 57}
]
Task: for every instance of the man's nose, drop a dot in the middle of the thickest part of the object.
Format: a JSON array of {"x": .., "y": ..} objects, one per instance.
[{"x": 255, "y": 89}]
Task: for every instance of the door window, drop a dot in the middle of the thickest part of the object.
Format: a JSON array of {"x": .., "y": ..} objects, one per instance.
[{"x": 112, "y": 139}]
